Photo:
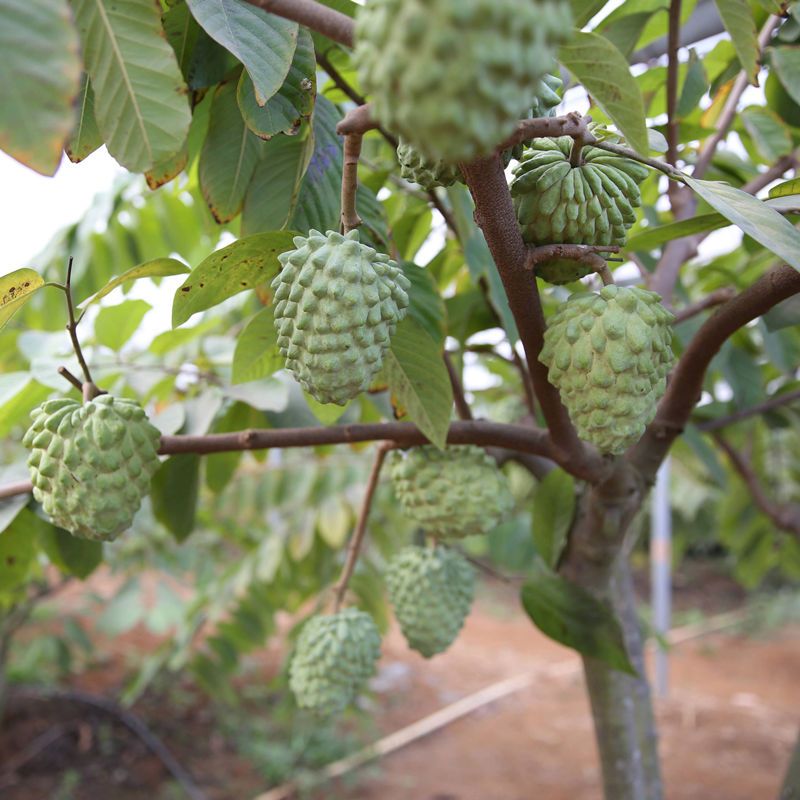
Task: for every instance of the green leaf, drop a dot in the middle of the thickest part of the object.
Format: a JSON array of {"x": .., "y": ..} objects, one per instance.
[
  {"x": 157, "y": 268},
  {"x": 141, "y": 103},
  {"x": 417, "y": 377},
  {"x": 125, "y": 610},
  {"x": 245, "y": 264},
  {"x": 285, "y": 111},
  {"x": 784, "y": 315},
  {"x": 425, "y": 303},
  {"x": 256, "y": 354},
  {"x": 116, "y": 324},
  {"x": 706, "y": 453},
  {"x": 570, "y": 615},
  {"x": 40, "y": 72},
  {"x": 754, "y": 217},
  {"x": 229, "y": 156},
  {"x": 18, "y": 549},
  {"x": 584, "y": 10},
  {"x": 170, "y": 168},
  {"x": 769, "y": 133},
  {"x": 264, "y": 43},
  {"x": 656, "y": 141},
  {"x": 74, "y": 556},
  {"x": 10, "y": 507},
  {"x": 738, "y": 21},
  {"x": 695, "y": 86},
  {"x": 19, "y": 394},
  {"x": 553, "y": 509},
  {"x": 85, "y": 138},
  {"x": 786, "y": 62},
  {"x": 175, "y": 489},
  {"x": 605, "y": 73},
  {"x": 787, "y": 188},
  {"x": 625, "y": 31},
  {"x": 16, "y": 288}
]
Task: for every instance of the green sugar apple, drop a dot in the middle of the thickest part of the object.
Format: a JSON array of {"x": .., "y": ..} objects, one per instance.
[
  {"x": 453, "y": 76},
  {"x": 91, "y": 464},
  {"x": 557, "y": 203},
  {"x": 426, "y": 172},
  {"x": 334, "y": 657},
  {"x": 431, "y": 590},
  {"x": 609, "y": 354},
  {"x": 337, "y": 305},
  {"x": 458, "y": 491}
]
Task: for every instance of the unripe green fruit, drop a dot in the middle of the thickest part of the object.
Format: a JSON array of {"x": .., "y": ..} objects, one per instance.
[
  {"x": 337, "y": 305},
  {"x": 427, "y": 173},
  {"x": 547, "y": 96},
  {"x": 557, "y": 203},
  {"x": 455, "y": 492},
  {"x": 334, "y": 657},
  {"x": 452, "y": 77},
  {"x": 609, "y": 354},
  {"x": 91, "y": 464},
  {"x": 431, "y": 590}
]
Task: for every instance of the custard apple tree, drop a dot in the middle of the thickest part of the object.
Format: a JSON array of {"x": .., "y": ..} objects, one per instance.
[{"x": 475, "y": 238}]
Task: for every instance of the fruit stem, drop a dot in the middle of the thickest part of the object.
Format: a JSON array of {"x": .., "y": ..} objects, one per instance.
[
  {"x": 606, "y": 276},
  {"x": 72, "y": 327},
  {"x": 575, "y": 157},
  {"x": 352, "y": 152}
]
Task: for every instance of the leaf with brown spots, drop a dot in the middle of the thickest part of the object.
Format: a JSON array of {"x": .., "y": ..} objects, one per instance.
[
  {"x": 245, "y": 264},
  {"x": 16, "y": 289}
]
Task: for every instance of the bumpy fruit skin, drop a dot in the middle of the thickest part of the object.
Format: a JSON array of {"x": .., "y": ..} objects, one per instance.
[
  {"x": 608, "y": 354},
  {"x": 91, "y": 464},
  {"x": 547, "y": 96},
  {"x": 455, "y": 492},
  {"x": 334, "y": 657},
  {"x": 557, "y": 203},
  {"x": 426, "y": 172},
  {"x": 337, "y": 305},
  {"x": 453, "y": 76},
  {"x": 431, "y": 590}
]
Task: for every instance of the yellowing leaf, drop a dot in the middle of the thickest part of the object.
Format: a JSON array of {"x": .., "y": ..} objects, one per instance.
[{"x": 16, "y": 289}]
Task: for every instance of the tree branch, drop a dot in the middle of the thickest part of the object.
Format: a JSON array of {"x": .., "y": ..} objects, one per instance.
[
  {"x": 462, "y": 407},
  {"x": 754, "y": 411},
  {"x": 785, "y": 517},
  {"x": 572, "y": 124},
  {"x": 588, "y": 254},
  {"x": 333, "y": 24},
  {"x": 352, "y": 151},
  {"x": 686, "y": 384},
  {"x": 715, "y": 298},
  {"x": 494, "y": 213}
]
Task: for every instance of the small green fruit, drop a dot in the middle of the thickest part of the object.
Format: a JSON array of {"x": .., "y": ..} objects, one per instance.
[
  {"x": 334, "y": 658},
  {"x": 337, "y": 305},
  {"x": 428, "y": 174},
  {"x": 609, "y": 354},
  {"x": 91, "y": 464},
  {"x": 431, "y": 590}
]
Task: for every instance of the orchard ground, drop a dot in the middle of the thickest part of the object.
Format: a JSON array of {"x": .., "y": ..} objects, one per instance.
[{"x": 726, "y": 729}]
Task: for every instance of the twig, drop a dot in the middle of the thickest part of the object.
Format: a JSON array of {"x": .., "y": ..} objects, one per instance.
[
  {"x": 492, "y": 572},
  {"x": 444, "y": 211},
  {"x": 65, "y": 373},
  {"x": 357, "y": 120},
  {"x": 127, "y": 718},
  {"x": 586, "y": 253},
  {"x": 14, "y": 489},
  {"x": 715, "y": 298},
  {"x": 333, "y": 24},
  {"x": 572, "y": 124},
  {"x": 655, "y": 163},
  {"x": 768, "y": 405},
  {"x": 605, "y": 275},
  {"x": 352, "y": 150},
  {"x": 354, "y": 546},
  {"x": 786, "y": 517},
  {"x": 525, "y": 377},
  {"x": 462, "y": 407},
  {"x": 72, "y": 327}
]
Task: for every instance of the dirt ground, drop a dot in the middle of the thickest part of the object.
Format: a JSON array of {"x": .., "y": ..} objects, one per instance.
[{"x": 727, "y": 726}]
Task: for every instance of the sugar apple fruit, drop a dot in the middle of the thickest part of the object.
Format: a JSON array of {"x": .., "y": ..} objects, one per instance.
[
  {"x": 431, "y": 590},
  {"x": 426, "y": 172},
  {"x": 334, "y": 657},
  {"x": 547, "y": 96},
  {"x": 337, "y": 304},
  {"x": 455, "y": 492},
  {"x": 453, "y": 76},
  {"x": 91, "y": 464},
  {"x": 557, "y": 203},
  {"x": 608, "y": 354}
]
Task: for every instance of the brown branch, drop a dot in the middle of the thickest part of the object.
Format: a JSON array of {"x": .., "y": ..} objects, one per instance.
[
  {"x": 444, "y": 211},
  {"x": 715, "y": 298},
  {"x": 88, "y": 388},
  {"x": 655, "y": 163},
  {"x": 686, "y": 384},
  {"x": 70, "y": 378},
  {"x": 333, "y": 24},
  {"x": 14, "y": 489},
  {"x": 572, "y": 124},
  {"x": 494, "y": 213},
  {"x": 782, "y": 165},
  {"x": 352, "y": 150},
  {"x": 357, "y": 120},
  {"x": 786, "y": 517},
  {"x": 527, "y": 383},
  {"x": 354, "y": 545},
  {"x": 588, "y": 254},
  {"x": 462, "y": 407},
  {"x": 768, "y": 405}
]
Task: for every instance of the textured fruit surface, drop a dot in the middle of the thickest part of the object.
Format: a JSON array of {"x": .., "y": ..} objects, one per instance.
[
  {"x": 453, "y": 76},
  {"x": 557, "y": 203},
  {"x": 91, "y": 464},
  {"x": 337, "y": 305},
  {"x": 334, "y": 657},
  {"x": 431, "y": 590},
  {"x": 426, "y": 172},
  {"x": 608, "y": 354},
  {"x": 458, "y": 491}
]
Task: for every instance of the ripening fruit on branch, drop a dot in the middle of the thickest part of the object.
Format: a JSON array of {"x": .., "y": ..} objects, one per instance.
[
  {"x": 334, "y": 658},
  {"x": 91, "y": 464},
  {"x": 455, "y": 492},
  {"x": 431, "y": 590},
  {"x": 609, "y": 354},
  {"x": 337, "y": 305},
  {"x": 428, "y": 173},
  {"x": 453, "y": 76},
  {"x": 557, "y": 203}
]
